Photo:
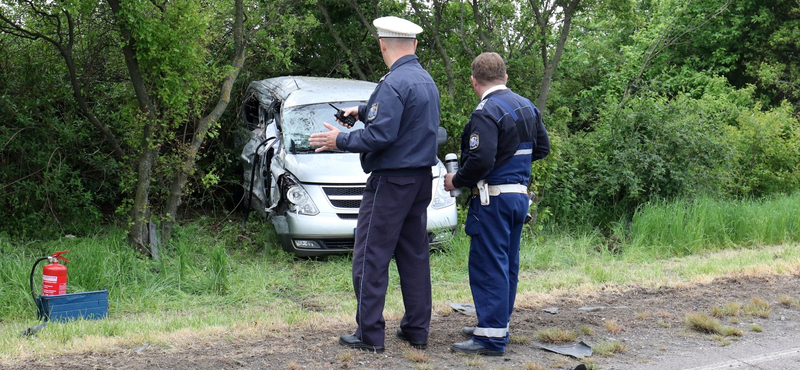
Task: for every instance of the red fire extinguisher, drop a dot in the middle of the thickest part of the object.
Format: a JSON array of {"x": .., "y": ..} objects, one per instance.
[{"x": 54, "y": 280}]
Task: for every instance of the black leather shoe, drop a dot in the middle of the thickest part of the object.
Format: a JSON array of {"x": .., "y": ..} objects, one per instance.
[
  {"x": 472, "y": 348},
  {"x": 351, "y": 341},
  {"x": 417, "y": 345},
  {"x": 467, "y": 331}
]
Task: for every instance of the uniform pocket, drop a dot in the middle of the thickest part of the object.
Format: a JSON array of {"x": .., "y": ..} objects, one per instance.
[
  {"x": 472, "y": 226},
  {"x": 400, "y": 180}
]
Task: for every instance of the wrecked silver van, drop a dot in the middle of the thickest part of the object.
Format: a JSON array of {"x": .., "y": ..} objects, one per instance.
[{"x": 313, "y": 198}]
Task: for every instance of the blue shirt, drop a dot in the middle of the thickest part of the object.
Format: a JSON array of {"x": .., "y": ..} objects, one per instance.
[
  {"x": 504, "y": 135},
  {"x": 401, "y": 121}
]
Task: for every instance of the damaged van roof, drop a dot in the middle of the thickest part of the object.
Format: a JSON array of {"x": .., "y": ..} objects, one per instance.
[{"x": 301, "y": 90}]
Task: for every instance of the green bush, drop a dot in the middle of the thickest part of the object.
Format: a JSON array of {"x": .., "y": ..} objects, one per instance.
[
  {"x": 658, "y": 147},
  {"x": 768, "y": 151}
]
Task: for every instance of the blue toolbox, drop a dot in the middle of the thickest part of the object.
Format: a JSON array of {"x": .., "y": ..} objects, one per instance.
[{"x": 65, "y": 307}]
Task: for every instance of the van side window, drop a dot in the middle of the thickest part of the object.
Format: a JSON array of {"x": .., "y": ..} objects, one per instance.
[{"x": 252, "y": 113}]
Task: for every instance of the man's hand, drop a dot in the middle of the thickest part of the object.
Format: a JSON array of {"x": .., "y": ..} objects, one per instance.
[
  {"x": 448, "y": 181},
  {"x": 325, "y": 140},
  {"x": 349, "y": 112}
]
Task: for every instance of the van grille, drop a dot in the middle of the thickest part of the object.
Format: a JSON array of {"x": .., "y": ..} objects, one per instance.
[
  {"x": 346, "y": 203},
  {"x": 348, "y": 197},
  {"x": 349, "y": 190}
]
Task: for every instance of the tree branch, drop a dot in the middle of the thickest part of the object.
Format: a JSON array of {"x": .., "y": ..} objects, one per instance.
[
  {"x": 66, "y": 53},
  {"x": 367, "y": 24},
  {"x": 339, "y": 41},
  {"x": 448, "y": 65},
  {"x": 174, "y": 200},
  {"x": 476, "y": 15}
]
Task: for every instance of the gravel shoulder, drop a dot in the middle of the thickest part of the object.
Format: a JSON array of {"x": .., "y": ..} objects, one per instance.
[{"x": 647, "y": 324}]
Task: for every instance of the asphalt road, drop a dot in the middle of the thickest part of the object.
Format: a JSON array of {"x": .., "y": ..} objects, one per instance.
[{"x": 778, "y": 351}]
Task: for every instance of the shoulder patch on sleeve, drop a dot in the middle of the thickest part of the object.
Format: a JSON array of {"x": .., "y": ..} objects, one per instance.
[
  {"x": 474, "y": 141},
  {"x": 373, "y": 112},
  {"x": 480, "y": 105}
]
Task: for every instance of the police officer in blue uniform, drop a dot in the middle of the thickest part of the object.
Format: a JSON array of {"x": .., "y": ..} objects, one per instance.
[
  {"x": 504, "y": 135},
  {"x": 398, "y": 148}
]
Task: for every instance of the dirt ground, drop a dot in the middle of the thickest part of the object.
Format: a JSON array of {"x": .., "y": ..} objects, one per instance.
[{"x": 648, "y": 322}]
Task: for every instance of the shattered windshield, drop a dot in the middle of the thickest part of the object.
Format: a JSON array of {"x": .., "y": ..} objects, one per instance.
[{"x": 300, "y": 122}]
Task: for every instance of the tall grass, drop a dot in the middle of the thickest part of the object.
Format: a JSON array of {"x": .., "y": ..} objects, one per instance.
[
  {"x": 214, "y": 275},
  {"x": 684, "y": 228}
]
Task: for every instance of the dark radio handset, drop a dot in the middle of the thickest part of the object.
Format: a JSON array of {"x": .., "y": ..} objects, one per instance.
[{"x": 348, "y": 121}]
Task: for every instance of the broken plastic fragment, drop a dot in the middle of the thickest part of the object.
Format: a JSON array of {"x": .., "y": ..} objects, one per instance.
[
  {"x": 464, "y": 308},
  {"x": 579, "y": 350}
]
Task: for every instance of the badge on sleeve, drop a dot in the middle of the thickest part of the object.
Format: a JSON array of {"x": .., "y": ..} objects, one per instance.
[
  {"x": 474, "y": 141},
  {"x": 373, "y": 112}
]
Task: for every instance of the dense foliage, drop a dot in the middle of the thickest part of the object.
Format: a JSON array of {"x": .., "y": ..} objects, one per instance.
[{"x": 645, "y": 99}]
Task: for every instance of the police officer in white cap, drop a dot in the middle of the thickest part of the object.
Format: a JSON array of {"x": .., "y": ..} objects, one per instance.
[{"x": 398, "y": 148}]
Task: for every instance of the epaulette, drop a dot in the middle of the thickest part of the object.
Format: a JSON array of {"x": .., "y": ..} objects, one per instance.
[
  {"x": 384, "y": 76},
  {"x": 480, "y": 105}
]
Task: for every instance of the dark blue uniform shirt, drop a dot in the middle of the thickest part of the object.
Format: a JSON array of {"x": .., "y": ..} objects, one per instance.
[
  {"x": 401, "y": 121},
  {"x": 498, "y": 125}
]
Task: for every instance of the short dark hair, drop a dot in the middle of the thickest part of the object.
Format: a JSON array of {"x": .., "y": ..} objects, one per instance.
[{"x": 488, "y": 68}]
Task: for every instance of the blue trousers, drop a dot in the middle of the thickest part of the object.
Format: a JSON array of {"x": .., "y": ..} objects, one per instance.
[
  {"x": 392, "y": 221},
  {"x": 495, "y": 232}
]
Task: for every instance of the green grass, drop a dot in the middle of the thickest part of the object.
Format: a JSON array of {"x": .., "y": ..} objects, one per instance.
[
  {"x": 686, "y": 228},
  {"x": 609, "y": 348},
  {"x": 216, "y": 278},
  {"x": 555, "y": 335},
  {"x": 709, "y": 325}
]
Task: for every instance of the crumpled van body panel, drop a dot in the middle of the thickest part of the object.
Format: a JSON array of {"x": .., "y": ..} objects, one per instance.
[{"x": 312, "y": 198}]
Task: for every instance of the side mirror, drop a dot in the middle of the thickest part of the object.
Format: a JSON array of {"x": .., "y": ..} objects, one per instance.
[{"x": 441, "y": 136}]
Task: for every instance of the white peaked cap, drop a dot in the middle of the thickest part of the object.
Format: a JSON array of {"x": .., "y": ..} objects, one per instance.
[{"x": 396, "y": 27}]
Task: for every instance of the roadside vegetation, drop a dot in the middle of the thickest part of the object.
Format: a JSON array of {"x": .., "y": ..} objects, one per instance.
[
  {"x": 217, "y": 277},
  {"x": 674, "y": 129}
]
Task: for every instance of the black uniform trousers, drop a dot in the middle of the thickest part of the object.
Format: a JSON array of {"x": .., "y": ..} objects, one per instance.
[{"x": 392, "y": 221}]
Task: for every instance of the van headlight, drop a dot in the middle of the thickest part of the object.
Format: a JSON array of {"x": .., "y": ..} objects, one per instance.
[
  {"x": 441, "y": 197},
  {"x": 297, "y": 197}
]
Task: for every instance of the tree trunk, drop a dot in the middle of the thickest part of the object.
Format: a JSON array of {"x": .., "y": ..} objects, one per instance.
[
  {"x": 550, "y": 64},
  {"x": 176, "y": 191},
  {"x": 476, "y": 15},
  {"x": 138, "y": 233},
  {"x": 448, "y": 64}
]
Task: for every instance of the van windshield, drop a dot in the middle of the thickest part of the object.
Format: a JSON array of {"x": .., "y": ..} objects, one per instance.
[{"x": 299, "y": 122}]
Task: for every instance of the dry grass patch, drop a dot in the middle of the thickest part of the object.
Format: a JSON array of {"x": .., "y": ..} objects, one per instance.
[
  {"x": 727, "y": 310},
  {"x": 345, "y": 356},
  {"x": 663, "y": 324},
  {"x": 533, "y": 366},
  {"x": 721, "y": 339},
  {"x": 613, "y": 327},
  {"x": 474, "y": 361},
  {"x": 642, "y": 315},
  {"x": 586, "y": 330},
  {"x": 609, "y": 348},
  {"x": 519, "y": 339},
  {"x": 758, "y": 307},
  {"x": 709, "y": 325},
  {"x": 787, "y": 301},
  {"x": 415, "y": 355},
  {"x": 555, "y": 336},
  {"x": 756, "y": 328}
]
